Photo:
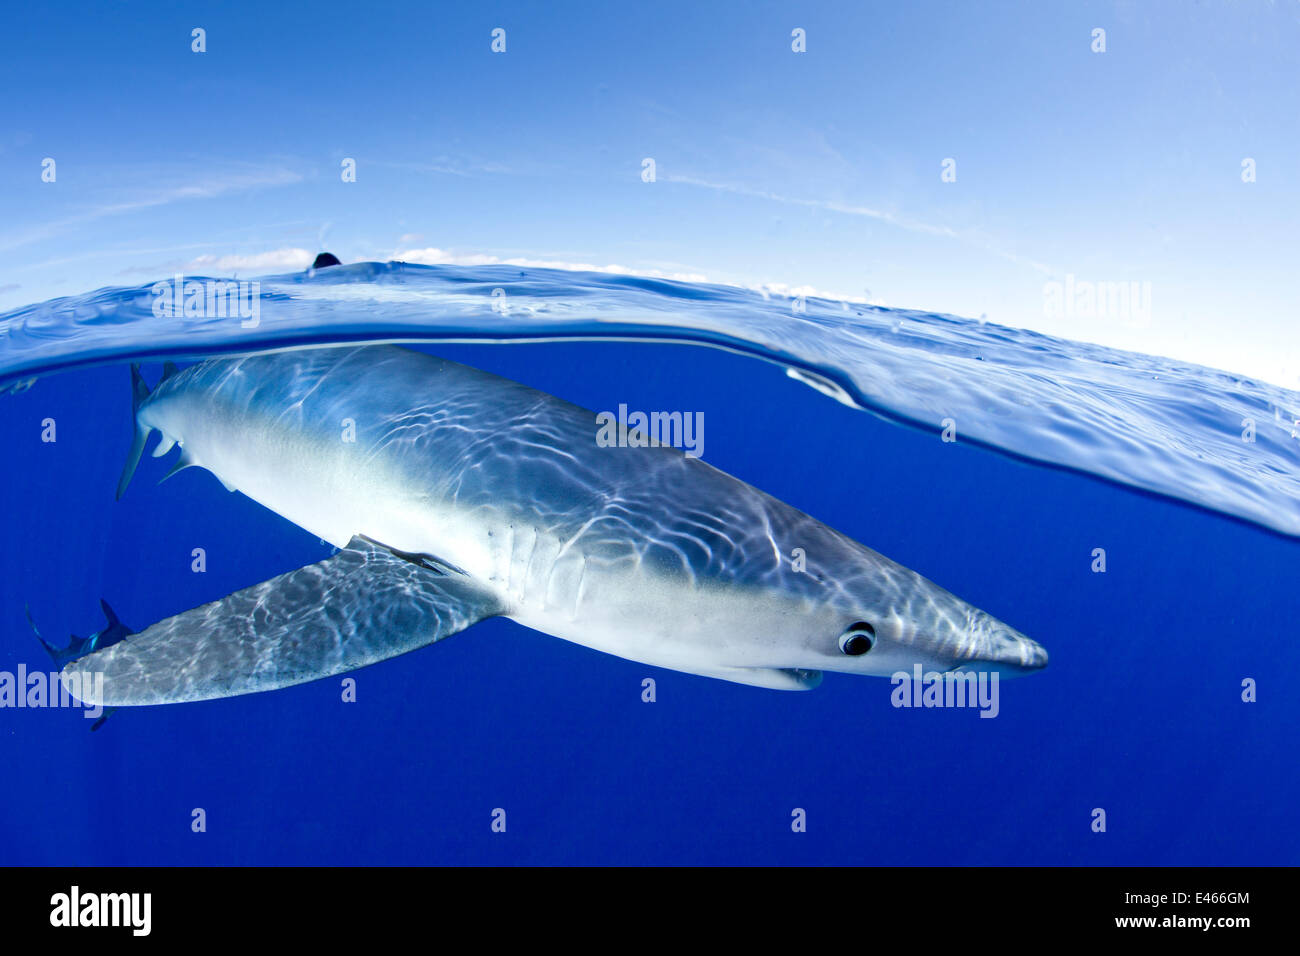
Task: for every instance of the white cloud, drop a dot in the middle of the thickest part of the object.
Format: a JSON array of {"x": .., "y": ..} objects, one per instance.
[
  {"x": 442, "y": 257},
  {"x": 276, "y": 260}
]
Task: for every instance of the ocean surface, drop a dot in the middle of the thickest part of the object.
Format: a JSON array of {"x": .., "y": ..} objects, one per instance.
[{"x": 994, "y": 461}]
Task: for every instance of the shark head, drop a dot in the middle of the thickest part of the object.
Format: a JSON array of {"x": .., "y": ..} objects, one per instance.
[
  {"x": 854, "y": 612},
  {"x": 772, "y": 598},
  {"x": 900, "y": 625},
  {"x": 873, "y": 616}
]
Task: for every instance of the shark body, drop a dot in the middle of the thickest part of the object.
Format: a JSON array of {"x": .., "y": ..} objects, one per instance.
[{"x": 456, "y": 495}]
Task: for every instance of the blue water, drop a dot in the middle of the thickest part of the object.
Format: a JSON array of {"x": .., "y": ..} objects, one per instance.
[{"x": 1139, "y": 712}]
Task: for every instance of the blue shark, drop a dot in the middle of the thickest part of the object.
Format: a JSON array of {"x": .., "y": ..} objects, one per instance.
[{"x": 454, "y": 495}]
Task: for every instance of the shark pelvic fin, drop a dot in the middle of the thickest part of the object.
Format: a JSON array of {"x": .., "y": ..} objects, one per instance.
[
  {"x": 359, "y": 607},
  {"x": 185, "y": 460}
]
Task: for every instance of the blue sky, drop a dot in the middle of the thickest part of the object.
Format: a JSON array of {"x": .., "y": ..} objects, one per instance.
[{"x": 818, "y": 170}]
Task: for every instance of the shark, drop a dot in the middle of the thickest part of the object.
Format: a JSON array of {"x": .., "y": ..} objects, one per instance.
[{"x": 453, "y": 495}]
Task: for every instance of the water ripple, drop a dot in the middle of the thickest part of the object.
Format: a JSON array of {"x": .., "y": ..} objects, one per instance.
[{"x": 1164, "y": 427}]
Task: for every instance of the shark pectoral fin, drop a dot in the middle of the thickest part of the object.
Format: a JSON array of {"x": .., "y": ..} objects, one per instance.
[{"x": 361, "y": 606}]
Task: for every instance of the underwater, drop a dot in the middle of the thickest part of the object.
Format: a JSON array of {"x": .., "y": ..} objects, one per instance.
[{"x": 1129, "y": 530}]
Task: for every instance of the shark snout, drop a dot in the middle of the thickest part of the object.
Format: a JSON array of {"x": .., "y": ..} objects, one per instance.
[{"x": 990, "y": 645}]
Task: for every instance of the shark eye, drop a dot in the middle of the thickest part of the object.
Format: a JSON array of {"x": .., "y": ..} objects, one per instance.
[{"x": 858, "y": 639}]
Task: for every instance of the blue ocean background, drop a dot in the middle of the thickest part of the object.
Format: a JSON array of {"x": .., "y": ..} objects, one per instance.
[{"x": 1139, "y": 713}]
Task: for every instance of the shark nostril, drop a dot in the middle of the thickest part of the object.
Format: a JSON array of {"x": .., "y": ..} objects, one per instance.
[{"x": 858, "y": 639}]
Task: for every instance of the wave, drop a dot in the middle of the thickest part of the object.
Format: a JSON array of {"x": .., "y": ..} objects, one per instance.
[{"x": 1207, "y": 438}]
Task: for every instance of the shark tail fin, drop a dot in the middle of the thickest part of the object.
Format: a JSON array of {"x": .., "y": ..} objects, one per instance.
[
  {"x": 139, "y": 392},
  {"x": 63, "y": 656},
  {"x": 79, "y": 647},
  {"x": 57, "y": 654}
]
